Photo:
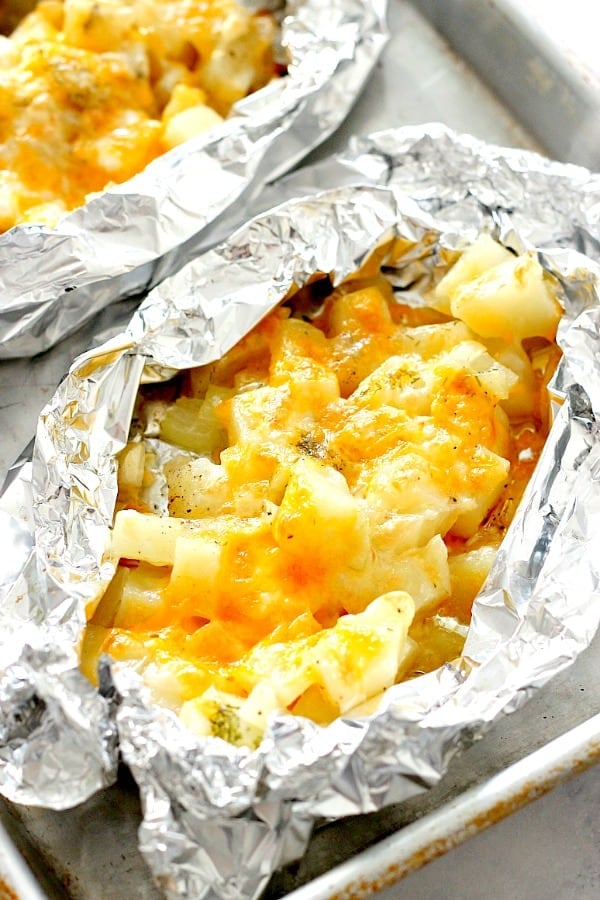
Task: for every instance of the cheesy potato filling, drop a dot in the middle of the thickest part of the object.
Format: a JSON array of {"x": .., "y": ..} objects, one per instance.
[
  {"x": 92, "y": 90},
  {"x": 342, "y": 485}
]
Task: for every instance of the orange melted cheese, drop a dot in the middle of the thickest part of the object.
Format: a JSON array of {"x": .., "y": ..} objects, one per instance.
[
  {"x": 347, "y": 483},
  {"x": 92, "y": 90}
]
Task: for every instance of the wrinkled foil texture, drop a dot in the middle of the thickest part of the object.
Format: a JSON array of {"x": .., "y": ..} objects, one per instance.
[
  {"x": 136, "y": 233},
  {"x": 218, "y": 820}
]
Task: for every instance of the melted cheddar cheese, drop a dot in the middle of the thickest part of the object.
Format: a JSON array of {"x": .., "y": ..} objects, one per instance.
[
  {"x": 92, "y": 90},
  {"x": 342, "y": 488}
]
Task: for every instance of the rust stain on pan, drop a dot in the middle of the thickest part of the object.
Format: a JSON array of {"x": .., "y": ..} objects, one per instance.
[
  {"x": 6, "y": 892},
  {"x": 478, "y": 822},
  {"x": 536, "y": 788}
]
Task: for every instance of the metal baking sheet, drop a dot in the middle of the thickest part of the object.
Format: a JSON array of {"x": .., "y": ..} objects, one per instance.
[
  {"x": 91, "y": 852},
  {"x": 540, "y": 58}
]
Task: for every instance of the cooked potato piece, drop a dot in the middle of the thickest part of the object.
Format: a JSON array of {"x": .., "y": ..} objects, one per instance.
[
  {"x": 512, "y": 301},
  {"x": 423, "y": 573},
  {"x": 197, "y": 567},
  {"x": 485, "y": 481},
  {"x": 495, "y": 379},
  {"x": 522, "y": 400},
  {"x": 319, "y": 517},
  {"x": 131, "y": 465},
  {"x": 483, "y": 254},
  {"x": 468, "y": 572},
  {"x": 188, "y": 123},
  {"x": 144, "y": 536},
  {"x": 197, "y": 488},
  {"x": 192, "y": 423},
  {"x": 402, "y": 493}
]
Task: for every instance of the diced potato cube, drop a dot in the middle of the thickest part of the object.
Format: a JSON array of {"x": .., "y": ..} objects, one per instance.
[
  {"x": 423, "y": 573},
  {"x": 483, "y": 254},
  {"x": 401, "y": 493},
  {"x": 192, "y": 423},
  {"x": 197, "y": 565},
  {"x": 360, "y": 656},
  {"x": 362, "y": 310},
  {"x": 468, "y": 572},
  {"x": 174, "y": 681},
  {"x": 496, "y": 379},
  {"x": 188, "y": 123},
  {"x": 253, "y": 499},
  {"x": 183, "y": 96},
  {"x": 194, "y": 716},
  {"x": 316, "y": 704},
  {"x": 142, "y": 596},
  {"x": 261, "y": 701},
  {"x": 430, "y": 340},
  {"x": 131, "y": 465},
  {"x": 369, "y": 707},
  {"x": 401, "y": 381},
  {"x": 523, "y": 399},
  {"x": 300, "y": 360},
  {"x": 197, "y": 488},
  {"x": 512, "y": 301},
  {"x": 146, "y": 537},
  {"x": 486, "y": 479},
  {"x": 319, "y": 519},
  {"x": 255, "y": 414},
  {"x": 399, "y": 533},
  {"x": 252, "y": 352},
  {"x": 227, "y": 75}
]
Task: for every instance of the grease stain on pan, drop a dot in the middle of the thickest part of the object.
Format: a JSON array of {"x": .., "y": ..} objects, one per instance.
[{"x": 6, "y": 892}]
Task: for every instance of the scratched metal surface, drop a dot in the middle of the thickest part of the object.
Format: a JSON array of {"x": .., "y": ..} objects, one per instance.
[{"x": 90, "y": 853}]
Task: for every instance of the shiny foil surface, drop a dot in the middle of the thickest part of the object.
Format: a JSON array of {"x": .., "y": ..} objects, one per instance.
[
  {"x": 219, "y": 819},
  {"x": 136, "y": 233}
]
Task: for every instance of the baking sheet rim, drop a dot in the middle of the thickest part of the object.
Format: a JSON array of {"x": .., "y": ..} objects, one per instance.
[{"x": 475, "y": 809}]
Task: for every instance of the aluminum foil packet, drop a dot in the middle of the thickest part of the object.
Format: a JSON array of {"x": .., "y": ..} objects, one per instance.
[
  {"x": 136, "y": 233},
  {"x": 219, "y": 819}
]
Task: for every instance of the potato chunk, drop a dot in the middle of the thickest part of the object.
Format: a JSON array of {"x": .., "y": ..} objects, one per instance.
[
  {"x": 319, "y": 516},
  {"x": 512, "y": 301},
  {"x": 483, "y": 254},
  {"x": 146, "y": 537}
]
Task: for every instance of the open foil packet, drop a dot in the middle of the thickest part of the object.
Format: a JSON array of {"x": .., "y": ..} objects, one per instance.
[
  {"x": 134, "y": 234},
  {"x": 218, "y": 819}
]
